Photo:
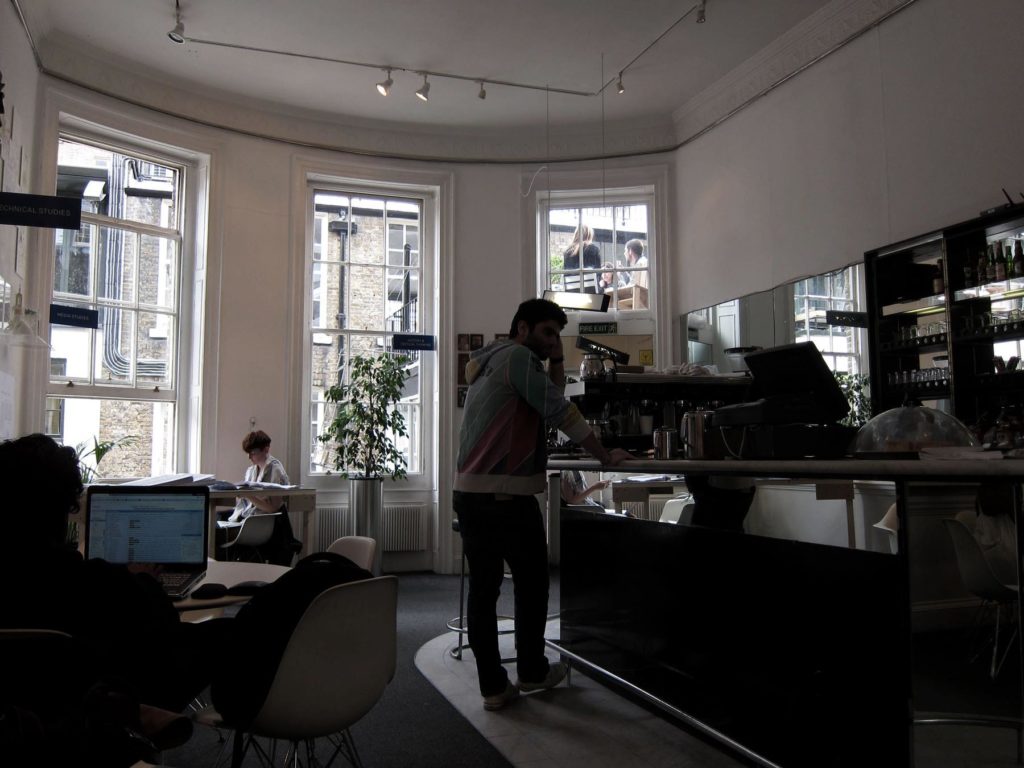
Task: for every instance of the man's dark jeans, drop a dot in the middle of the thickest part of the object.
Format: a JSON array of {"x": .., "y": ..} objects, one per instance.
[{"x": 510, "y": 529}]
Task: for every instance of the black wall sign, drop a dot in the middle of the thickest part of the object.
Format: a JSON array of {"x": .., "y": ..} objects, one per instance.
[
  {"x": 414, "y": 341},
  {"x": 79, "y": 317},
  {"x": 40, "y": 211},
  {"x": 851, "y": 319}
]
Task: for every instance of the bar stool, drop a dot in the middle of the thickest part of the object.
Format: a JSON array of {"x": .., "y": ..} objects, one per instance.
[{"x": 459, "y": 624}]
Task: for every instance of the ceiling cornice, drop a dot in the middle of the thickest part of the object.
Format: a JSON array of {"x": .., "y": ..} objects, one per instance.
[{"x": 828, "y": 30}]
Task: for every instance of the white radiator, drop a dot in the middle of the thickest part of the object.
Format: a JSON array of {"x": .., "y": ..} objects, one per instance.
[
  {"x": 405, "y": 527},
  {"x": 649, "y": 511}
]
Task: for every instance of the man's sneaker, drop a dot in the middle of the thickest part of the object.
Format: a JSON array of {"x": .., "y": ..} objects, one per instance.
[
  {"x": 556, "y": 673},
  {"x": 499, "y": 700}
]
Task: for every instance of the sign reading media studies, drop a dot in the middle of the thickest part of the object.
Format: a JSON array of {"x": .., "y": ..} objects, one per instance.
[
  {"x": 421, "y": 342},
  {"x": 61, "y": 314},
  {"x": 40, "y": 211}
]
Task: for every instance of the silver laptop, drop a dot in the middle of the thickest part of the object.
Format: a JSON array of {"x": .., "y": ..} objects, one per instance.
[{"x": 162, "y": 526}]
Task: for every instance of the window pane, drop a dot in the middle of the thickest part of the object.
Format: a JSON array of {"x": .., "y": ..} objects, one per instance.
[
  {"x": 158, "y": 271},
  {"x": 149, "y": 428},
  {"x": 72, "y": 273},
  {"x": 69, "y": 350},
  {"x": 366, "y": 297},
  {"x": 116, "y": 252},
  {"x": 114, "y": 340},
  {"x": 328, "y": 307},
  {"x": 367, "y": 244},
  {"x": 155, "y": 347},
  {"x": 402, "y": 300}
]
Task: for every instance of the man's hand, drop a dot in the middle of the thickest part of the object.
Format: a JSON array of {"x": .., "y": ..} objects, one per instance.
[{"x": 618, "y": 455}]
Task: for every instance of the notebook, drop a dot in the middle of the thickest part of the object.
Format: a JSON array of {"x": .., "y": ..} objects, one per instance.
[{"x": 166, "y": 526}]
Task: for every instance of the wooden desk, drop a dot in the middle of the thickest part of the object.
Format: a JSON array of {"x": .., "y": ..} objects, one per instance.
[
  {"x": 229, "y": 574},
  {"x": 301, "y": 506}
]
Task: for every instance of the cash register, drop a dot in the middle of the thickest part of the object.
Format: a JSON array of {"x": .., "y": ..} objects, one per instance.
[{"x": 793, "y": 411}]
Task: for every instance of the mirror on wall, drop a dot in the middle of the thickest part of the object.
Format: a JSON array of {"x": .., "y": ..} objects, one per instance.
[{"x": 791, "y": 312}]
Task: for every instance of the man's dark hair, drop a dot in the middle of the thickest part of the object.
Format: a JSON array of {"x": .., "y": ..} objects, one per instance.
[
  {"x": 636, "y": 246},
  {"x": 535, "y": 311},
  {"x": 255, "y": 441},
  {"x": 45, "y": 489}
]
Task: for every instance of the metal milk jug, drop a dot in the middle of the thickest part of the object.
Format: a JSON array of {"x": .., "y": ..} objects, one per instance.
[
  {"x": 665, "y": 443},
  {"x": 692, "y": 431}
]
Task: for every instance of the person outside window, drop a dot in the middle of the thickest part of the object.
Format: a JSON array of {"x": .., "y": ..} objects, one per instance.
[{"x": 582, "y": 242}]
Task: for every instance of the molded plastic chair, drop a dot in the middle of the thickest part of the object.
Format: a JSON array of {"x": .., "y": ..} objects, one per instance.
[
  {"x": 344, "y": 649},
  {"x": 359, "y": 549},
  {"x": 979, "y": 578},
  {"x": 255, "y": 531}
]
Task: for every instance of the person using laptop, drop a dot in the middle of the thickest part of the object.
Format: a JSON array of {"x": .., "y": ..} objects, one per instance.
[{"x": 126, "y": 628}]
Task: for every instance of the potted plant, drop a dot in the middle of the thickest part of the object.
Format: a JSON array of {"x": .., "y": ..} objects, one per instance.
[{"x": 362, "y": 432}]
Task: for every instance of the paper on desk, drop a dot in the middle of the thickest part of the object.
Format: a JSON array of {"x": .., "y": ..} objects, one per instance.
[
  {"x": 254, "y": 484},
  {"x": 958, "y": 453},
  {"x": 645, "y": 478}
]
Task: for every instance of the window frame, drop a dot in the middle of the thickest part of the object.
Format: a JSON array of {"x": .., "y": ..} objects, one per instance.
[
  {"x": 425, "y": 478},
  {"x": 183, "y": 389}
]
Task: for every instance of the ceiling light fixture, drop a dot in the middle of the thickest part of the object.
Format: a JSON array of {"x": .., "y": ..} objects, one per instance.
[
  {"x": 423, "y": 92},
  {"x": 620, "y": 87},
  {"x": 481, "y": 94},
  {"x": 177, "y": 35},
  {"x": 384, "y": 86},
  {"x": 701, "y": 18}
]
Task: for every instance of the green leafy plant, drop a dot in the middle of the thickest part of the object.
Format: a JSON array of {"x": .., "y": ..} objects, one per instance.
[
  {"x": 366, "y": 419},
  {"x": 855, "y": 387},
  {"x": 99, "y": 450}
]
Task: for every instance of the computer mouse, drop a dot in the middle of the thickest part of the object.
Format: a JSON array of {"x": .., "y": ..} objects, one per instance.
[
  {"x": 209, "y": 591},
  {"x": 246, "y": 587}
]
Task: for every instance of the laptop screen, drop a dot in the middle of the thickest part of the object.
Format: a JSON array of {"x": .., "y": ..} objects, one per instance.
[{"x": 164, "y": 525}]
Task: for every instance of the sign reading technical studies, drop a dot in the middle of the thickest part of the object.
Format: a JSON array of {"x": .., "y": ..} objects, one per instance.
[{"x": 40, "y": 211}]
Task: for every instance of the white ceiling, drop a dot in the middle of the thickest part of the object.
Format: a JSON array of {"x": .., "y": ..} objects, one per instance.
[{"x": 540, "y": 42}]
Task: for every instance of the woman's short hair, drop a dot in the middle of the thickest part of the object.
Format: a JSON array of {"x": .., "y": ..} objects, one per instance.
[{"x": 255, "y": 441}]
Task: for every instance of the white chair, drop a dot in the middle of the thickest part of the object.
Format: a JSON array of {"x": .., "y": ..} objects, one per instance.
[
  {"x": 980, "y": 580},
  {"x": 359, "y": 549},
  {"x": 890, "y": 526},
  {"x": 255, "y": 531},
  {"x": 344, "y": 649}
]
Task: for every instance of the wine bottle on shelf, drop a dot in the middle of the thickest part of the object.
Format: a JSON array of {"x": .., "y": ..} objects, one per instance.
[
  {"x": 990, "y": 266},
  {"x": 1000, "y": 262},
  {"x": 1018, "y": 259},
  {"x": 982, "y": 268},
  {"x": 938, "y": 283},
  {"x": 968, "y": 274},
  {"x": 1008, "y": 258}
]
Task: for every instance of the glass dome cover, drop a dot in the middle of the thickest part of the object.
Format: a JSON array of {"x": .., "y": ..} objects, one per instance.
[{"x": 910, "y": 428}]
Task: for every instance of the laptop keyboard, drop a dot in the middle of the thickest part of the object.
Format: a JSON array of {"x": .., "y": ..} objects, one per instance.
[{"x": 174, "y": 579}]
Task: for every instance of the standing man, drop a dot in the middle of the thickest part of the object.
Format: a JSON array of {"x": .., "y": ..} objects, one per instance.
[{"x": 501, "y": 466}]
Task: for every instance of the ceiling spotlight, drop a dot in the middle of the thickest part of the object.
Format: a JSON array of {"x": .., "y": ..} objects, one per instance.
[
  {"x": 384, "y": 86},
  {"x": 482, "y": 94},
  {"x": 701, "y": 18},
  {"x": 423, "y": 92},
  {"x": 620, "y": 87},
  {"x": 177, "y": 35}
]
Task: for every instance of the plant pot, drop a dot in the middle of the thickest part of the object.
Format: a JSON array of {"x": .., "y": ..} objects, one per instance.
[{"x": 366, "y": 500}]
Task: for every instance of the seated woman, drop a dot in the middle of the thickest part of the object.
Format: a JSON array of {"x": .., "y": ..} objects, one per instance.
[
  {"x": 265, "y": 469},
  {"x": 576, "y": 491}
]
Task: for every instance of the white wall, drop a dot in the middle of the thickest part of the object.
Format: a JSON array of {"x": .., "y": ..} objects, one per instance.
[
  {"x": 913, "y": 126},
  {"x": 18, "y": 136}
]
